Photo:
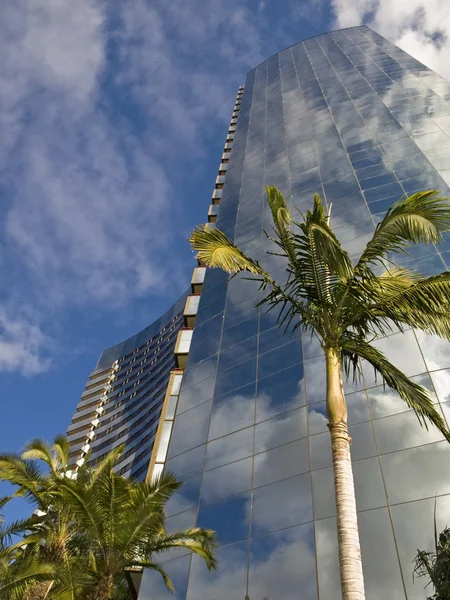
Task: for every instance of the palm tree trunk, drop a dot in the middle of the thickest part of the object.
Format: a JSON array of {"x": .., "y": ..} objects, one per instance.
[
  {"x": 104, "y": 588},
  {"x": 352, "y": 580},
  {"x": 39, "y": 591}
]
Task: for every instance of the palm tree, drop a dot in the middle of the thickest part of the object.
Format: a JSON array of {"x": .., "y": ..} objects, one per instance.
[
  {"x": 346, "y": 306},
  {"x": 19, "y": 572},
  {"x": 436, "y": 565},
  {"x": 93, "y": 527},
  {"x": 123, "y": 525}
]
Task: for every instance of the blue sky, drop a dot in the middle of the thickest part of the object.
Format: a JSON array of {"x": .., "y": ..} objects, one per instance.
[{"x": 113, "y": 119}]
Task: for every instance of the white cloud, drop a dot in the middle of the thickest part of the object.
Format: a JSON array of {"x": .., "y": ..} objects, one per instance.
[
  {"x": 102, "y": 106},
  {"x": 23, "y": 345},
  {"x": 420, "y": 28}
]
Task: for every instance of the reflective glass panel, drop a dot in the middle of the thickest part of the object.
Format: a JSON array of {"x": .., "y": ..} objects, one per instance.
[
  {"x": 228, "y": 581},
  {"x": 280, "y": 392},
  {"x": 283, "y": 563},
  {"x": 190, "y": 429},
  {"x": 233, "y": 411},
  {"x": 297, "y": 504},
  {"x": 227, "y": 480},
  {"x": 410, "y": 539},
  {"x": 417, "y": 472},
  {"x": 229, "y": 518},
  {"x": 382, "y": 575},
  {"x": 153, "y": 587},
  {"x": 229, "y": 448},
  {"x": 284, "y": 428},
  {"x": 187, "y": 464},
  {"x": 280, "y": 463}
]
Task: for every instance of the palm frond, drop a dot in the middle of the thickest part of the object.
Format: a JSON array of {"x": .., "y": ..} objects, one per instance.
[
  {"x": 23, "y": 573},
  {"x": 145, "y": 510},
  {"x": 61, "y": 449},
  {"x": 4, "y": 500},
  {"x": 38, "y": 449},
  {"x": 200, "y": 541},
  {"x": 24, "y": 474},
  {"x": 416, "y": 397},
  {"x": 104, "y": 466},
  {"x": 428, "y": 296},
  {"x": 282, "y": 221},
  {"x": 321, "y": 262},
  {"x": 420, "y": 218},
  {"x": 216, "y": 250},
  {"x": 155, "y": 567}
]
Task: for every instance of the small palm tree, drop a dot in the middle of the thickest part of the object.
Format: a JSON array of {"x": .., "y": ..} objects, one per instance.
[
  {"x": 123, "y": 526},
  {"x": 436, "y": 565},
  {"x": 346, "y": 305},
  {"x": 94, "y": 527},
  {"x": 19, "y": 572}
]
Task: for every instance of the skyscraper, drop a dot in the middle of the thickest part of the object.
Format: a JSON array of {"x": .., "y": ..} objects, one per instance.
[
  {"x": 124, "y": 396},
  {"x": 354, "y": 118}
]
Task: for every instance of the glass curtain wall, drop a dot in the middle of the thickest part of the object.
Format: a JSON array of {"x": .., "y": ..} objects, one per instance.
[{"x": 354, "y": 118}]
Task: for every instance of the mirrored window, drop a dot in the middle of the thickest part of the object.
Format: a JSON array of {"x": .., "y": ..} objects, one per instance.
[
  {"x": 283, "y": 563},
  {"x": 195, "y": 394},
  {"x": 320, "y": 446},
  {"x": 280, "y": 358},
  {"x": 230, "y": 581},
  {"x": 190, "y": 429},
  {"x": 435, "y": 351},
  {"x": 184, "y": 498},
  {"x": 233, "y": 411},
  {"x": 327, "y": 558},
  {"x": 317, "y": 417},
  {"x": 229, "y": 448},
  {"x": 280, "y": 392},
  {"x": 237, "y": 354},
  {"x": 187, "y": 464},
  {"x": 417, "y": 473},
  {"x": 235, "y": 377},
  {"x": 382, "y": 575},
  {"x": 153, "y": 587},
  {"x": 281, "y": 463},
  {"x": 229, "y": 518},
  {"x": 284, "y": 428},
  {"x": 297, "y": 504},
  {"x": 362, "y": 441},
  {"x": 410, "y": 539},
  {"x": 227, "y": 480},
  {"x": 403, "y": 431}
]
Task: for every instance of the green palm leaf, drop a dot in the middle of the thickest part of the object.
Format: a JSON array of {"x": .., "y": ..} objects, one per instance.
[
  {"x": 420, "y": 218},
  {"x": 216, "y": 250},
  {"x": 416, "y": 397}
]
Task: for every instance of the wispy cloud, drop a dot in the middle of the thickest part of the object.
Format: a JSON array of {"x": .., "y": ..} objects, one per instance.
[
  {"x": 23, "y": 345},
  {"x": 103, "y": 108},
  {"x": 418, "y": 27}
]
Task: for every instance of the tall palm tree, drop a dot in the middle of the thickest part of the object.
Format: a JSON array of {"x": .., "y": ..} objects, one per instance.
[
  {"x": 346, "y": 306},
  {"x": 95, "y": 526}
]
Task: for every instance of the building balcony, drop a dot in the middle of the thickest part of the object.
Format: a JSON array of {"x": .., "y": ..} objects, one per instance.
[
  {"x": 217, "y": 196},
  {"x": 182, "y": 347},
  {"x": 212, "y": 213},
  {"x": 197, "y": 280},
  {"x": 190, "y": 310}
]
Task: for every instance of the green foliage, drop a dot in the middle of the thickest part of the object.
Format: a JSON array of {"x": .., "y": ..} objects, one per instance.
[
  {"x": 88, "y": 529},
  {"x": 349, "y": 305},
  {"x": 436, "y": 565}
]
